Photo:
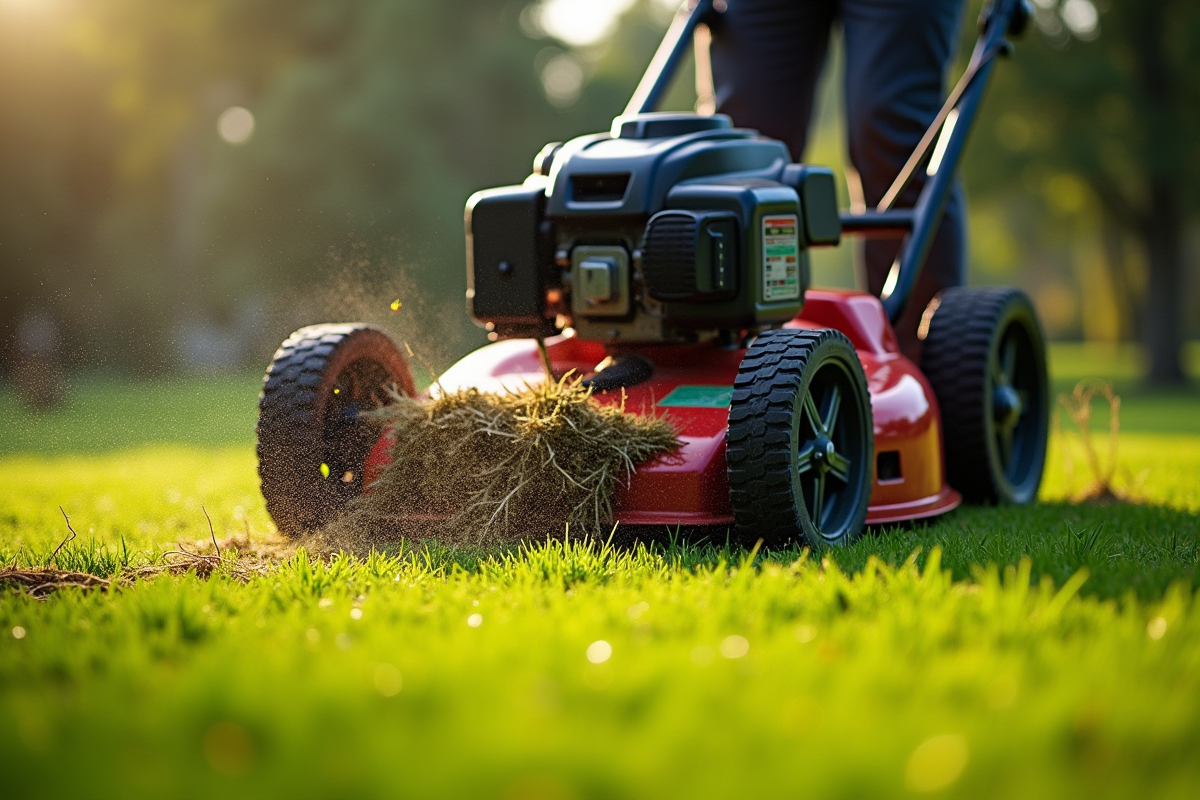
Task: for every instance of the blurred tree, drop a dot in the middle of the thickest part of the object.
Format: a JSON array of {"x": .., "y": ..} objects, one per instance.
[
  {"x": 94, "y": 99},
  {"x": 125, "y": 218},
  {"x": 1106, "y": 102},
  {"x": 368, "y": 144},
  {"x": 55, "y": 176}
]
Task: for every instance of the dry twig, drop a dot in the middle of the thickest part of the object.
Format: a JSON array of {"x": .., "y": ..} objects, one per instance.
[
  {"x": 1078, "y": 406},
  {"x": 54, "y": 555},
  {"x": 211, "y": 532}
]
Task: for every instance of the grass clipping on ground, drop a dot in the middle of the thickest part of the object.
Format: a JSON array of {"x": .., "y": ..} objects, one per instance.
[{"x": 480, "y": 468}]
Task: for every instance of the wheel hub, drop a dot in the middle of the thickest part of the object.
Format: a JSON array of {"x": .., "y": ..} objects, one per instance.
[
  {"x": 823, "y": 452},
  {"x": 1006, "y": 406}
]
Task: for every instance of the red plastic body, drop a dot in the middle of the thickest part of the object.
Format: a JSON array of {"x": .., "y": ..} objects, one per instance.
[{"x": 689, "y": 487}]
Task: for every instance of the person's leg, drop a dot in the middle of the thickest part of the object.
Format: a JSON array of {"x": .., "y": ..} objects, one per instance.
[
  {"x": 766, "y": 58},
  {"x": 897, "y": 53}
]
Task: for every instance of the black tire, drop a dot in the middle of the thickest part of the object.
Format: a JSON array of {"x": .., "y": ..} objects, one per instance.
[
  {"x": 985, "y": 355},
  {"x": 312, "y": 441},
  {"x": 790, "y": 479}
]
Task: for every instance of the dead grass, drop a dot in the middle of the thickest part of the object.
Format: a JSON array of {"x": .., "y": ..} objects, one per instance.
[
  {"x": 242, "y": 565},
  {"x": 207, "y": 558},
  {"x": 42, "y": 581},
  {"x": 481, "y": 468},
  {"x": 1100, "y": 487}
]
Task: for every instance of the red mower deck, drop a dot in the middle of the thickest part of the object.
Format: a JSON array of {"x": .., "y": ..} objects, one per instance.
[{"x": 691, "y": 388}]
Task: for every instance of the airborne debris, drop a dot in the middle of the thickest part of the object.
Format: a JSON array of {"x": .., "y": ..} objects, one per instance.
[{"x": 471, "y": 467}]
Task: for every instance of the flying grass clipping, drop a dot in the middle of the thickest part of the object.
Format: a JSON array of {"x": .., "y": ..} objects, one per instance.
[{"x": 472, "y": 467}]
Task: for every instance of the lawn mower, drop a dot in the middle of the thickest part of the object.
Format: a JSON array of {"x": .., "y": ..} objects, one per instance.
[{"x": 666, "y": 261}]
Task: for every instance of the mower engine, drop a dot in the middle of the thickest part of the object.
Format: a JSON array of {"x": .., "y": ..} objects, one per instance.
[{"x": 669, "y": 226}]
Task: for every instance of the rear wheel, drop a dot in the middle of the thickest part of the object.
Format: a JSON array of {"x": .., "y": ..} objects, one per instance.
[
  {"x": 985, "y": 356},
  {"x": 312, "y": 438},
  {"x": 800, "y": 444}
]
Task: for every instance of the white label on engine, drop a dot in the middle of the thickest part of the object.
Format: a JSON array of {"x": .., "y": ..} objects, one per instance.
[{"x": 781, "y": 258}]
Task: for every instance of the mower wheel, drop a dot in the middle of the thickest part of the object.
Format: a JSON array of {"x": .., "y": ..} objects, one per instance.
[
  {"x": 985, "y": 356},
  {"x": 312, "y": 439},
  {"x": 800, "y": 447}
]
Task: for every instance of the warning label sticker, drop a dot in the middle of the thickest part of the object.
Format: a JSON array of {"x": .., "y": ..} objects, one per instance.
[{"x": 781, "y": 258}]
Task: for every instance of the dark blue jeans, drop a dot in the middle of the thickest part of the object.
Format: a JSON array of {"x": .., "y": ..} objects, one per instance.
[{"x": 767, "y": 56}]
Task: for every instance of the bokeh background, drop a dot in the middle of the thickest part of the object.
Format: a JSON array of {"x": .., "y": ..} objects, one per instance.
[{"x": 183, "y": 183}]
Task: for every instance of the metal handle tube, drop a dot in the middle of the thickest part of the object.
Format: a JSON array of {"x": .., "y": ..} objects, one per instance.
[
  {"x": 927, "y": 212},
  {"x": 657, "y": 80},
  {"x": 878, "y": 223}
]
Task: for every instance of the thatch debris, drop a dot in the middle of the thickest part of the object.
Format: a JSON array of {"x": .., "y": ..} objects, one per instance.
[
  {"x": 181, "y": 561},
  {"x": 251, "y": 559},
  {"x": 41, "y": 581},
  {"x": 479, "y": 468}
]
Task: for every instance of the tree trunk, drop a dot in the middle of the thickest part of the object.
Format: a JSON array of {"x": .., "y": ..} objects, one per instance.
[
  {"x": 1162, "y": 227},
  {"x": 1129, "y": 302},
  {"x": 1163, "y": 333}
]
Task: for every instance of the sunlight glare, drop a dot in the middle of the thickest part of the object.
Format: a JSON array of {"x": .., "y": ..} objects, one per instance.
[
  {"x": 1082, "y": 17},
  {"x": 735, "y": 646},
  {"x": 388, "y": 680},
  {"x": 29, "y": 6},
  {"x": 936, "y": 763},
  {"x": 236, "y": 125},
  {"x": 581, "y": 22},
  {"x": 562, "y": 80},
  {"x": 599, "y": 651}
]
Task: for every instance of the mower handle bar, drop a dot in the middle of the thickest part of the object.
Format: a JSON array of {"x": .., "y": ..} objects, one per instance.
[
  {"x": 949, "y": 129},
  {"x": 654, "y": 84}
]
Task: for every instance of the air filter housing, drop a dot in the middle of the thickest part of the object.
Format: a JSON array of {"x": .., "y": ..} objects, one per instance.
[{"x": 691, "y": 256}]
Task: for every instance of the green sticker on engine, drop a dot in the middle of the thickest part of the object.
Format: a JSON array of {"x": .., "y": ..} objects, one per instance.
[
  {"x": 781, "y": 257},
  {"x": 697, "y": 397}
]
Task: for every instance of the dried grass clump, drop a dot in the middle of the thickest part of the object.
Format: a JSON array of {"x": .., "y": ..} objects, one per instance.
[
  {"x": 43, "y": 581},
  {"x": 479, "y": 468},
  {"x": 1100, "y": 489}
]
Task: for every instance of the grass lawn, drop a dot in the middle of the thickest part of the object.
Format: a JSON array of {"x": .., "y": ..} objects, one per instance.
[{"x": 1049, "y": 651}]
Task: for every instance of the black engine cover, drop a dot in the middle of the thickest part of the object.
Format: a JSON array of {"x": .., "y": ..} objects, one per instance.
[{"x": 510, "y": 260}]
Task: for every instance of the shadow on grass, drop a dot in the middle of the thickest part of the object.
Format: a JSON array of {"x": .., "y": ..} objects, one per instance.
[{"x": 1125, "y": 547}]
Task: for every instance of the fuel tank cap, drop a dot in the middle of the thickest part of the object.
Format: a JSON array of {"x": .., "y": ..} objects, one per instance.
[{"x": 663, "y": 125}]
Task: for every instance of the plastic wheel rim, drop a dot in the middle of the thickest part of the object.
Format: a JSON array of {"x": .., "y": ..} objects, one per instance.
[
  {"x": 1016, "y": 400},
  {"x": 356, "y": 389},
  {"x": 827, "y": 450}
]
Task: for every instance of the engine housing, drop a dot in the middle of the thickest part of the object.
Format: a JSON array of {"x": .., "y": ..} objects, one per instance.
[{"x": 668, "y": 225}]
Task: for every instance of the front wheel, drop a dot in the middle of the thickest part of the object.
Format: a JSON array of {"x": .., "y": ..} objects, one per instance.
[
  {"x": 313, "y": 440},
  {"x": 800, "y": 446}
]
